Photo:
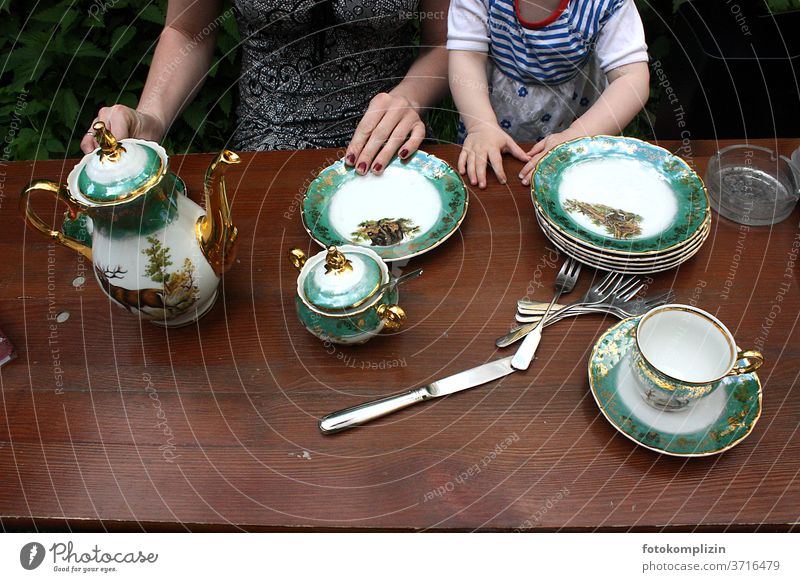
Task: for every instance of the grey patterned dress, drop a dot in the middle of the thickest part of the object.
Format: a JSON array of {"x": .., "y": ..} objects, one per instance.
[{"x": 310, "y": 67}]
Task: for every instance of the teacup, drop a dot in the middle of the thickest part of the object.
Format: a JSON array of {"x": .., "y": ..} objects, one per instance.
[{"x": 683, "y": 353}]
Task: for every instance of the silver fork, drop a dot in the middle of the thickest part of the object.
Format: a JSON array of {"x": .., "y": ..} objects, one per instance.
[
  {"x": 595, "y": 292},
  {"x": 565, "y": 282},
  {"x": 622, "y": 307},
  {"x": 622, "y": 288}
]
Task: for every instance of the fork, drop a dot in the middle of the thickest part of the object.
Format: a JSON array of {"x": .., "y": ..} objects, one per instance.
[
  {"x": 591, "y": 295},
  {"x": 594, "y": 293},
  {"x": 565, "y": 282},
  {"x": 623, "y": 307},
  {"x": 618, "y": 288}
]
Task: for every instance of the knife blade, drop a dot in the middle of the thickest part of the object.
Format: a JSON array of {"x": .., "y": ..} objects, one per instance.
[{"x": 363, "y": 413}]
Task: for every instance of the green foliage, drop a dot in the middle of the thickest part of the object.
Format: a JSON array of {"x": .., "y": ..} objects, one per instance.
[
  {"x": 63, "y": 60},
  {"x": 158, "y": 260},
  {"x": 776, "y": 6}
]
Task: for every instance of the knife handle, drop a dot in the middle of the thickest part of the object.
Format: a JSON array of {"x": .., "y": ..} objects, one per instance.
[{"x": 363, "y": 413}]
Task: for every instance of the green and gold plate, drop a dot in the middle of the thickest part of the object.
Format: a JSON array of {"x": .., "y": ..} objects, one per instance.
[
  {"x": 712, "y": 425},
  {"x": 619, "y": 194},
  {"x": 415, "y": 205}
]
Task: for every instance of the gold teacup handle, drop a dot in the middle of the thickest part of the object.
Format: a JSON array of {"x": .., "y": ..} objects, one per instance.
[
  {"x": 298, "y": 258},
  {"x": 61, "y": 193},
  {"x": 754, "y": 359},
  {"x": 393, "y": 316}
]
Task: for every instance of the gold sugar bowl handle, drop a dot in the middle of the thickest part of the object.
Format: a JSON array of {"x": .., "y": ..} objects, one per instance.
[
  {"x": 393, "y": 316},
  {"x": 297, "y": 258}
]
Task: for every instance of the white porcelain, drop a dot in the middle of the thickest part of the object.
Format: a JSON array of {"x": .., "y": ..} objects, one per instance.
[{"x": 682, "y": 353}]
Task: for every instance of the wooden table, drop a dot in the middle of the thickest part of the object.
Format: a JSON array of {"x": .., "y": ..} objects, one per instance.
[{"x": 110, "y": 423}]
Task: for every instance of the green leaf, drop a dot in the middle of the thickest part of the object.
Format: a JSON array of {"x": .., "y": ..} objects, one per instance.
[
  {"x": 67, "y": 107},
  {"x": 53, "y": 145},
  {"x": 226, "y": 102},
  {"x": 52, "y": 15},
  {"x": 121, "y": 37},
  {"x": 153, "y": 13},
  {"x": 195, "y": 115},
  {"x": 129, "y": 99}
]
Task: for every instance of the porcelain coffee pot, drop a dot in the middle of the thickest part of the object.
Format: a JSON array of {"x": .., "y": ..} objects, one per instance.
[{"x": 155, "y": 253}]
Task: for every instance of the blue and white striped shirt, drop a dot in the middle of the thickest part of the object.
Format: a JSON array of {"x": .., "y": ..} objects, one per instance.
[{"x": 549, "y": 53}]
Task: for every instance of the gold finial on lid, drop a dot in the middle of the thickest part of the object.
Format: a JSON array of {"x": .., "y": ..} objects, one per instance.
[
  {"x": 336, "y": 261},
  {"x": 110, "y": 148}
]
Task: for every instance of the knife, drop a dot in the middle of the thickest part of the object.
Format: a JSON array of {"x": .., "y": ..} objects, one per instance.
[{"x": 363, "y": 413}]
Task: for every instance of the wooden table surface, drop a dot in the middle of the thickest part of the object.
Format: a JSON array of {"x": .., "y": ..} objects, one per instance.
[{"x": 111, "y": 423}]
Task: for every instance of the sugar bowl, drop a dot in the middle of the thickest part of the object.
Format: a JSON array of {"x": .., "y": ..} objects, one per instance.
[{"x": 346, "y": 295}]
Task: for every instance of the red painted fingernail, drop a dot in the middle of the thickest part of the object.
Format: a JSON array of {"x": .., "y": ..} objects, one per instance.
[
  {"x": 351, "y": 159},
  {"x": 403, "y": 153},
  {"x": 377, "y": 168},
  {"x": 362, "y": 167}
]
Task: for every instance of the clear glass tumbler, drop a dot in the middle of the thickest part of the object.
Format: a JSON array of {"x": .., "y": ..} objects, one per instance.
[{"x": 752, "y": 185}]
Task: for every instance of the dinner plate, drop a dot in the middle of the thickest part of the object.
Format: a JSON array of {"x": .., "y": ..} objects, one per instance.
[
  {"x": 713, "y": 424},
  {"x": 632, "y": 265},
  {"x": 675, "y": 250},
  {"x": 415, "y": 205},
  {"x": 700, "y": 237},
  {"x": 626, "y": 268},
  {"x": 619, "y": 195}
]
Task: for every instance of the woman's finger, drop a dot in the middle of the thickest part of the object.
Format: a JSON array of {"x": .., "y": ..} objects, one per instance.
[
  {"x": 378, "y": 139},
  {"x": 414, "y": 141},
  {"x": 373, "y": 116},
  {"x": 392, "y": 145},
  {"x": 496, "y": 159},
  {"x": 88, "y": 144}
]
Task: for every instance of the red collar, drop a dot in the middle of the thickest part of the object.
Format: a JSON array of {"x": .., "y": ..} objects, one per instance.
[{"x": 541, "y": 23}]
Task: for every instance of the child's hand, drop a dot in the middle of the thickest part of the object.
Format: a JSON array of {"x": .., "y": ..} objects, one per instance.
[
  {"x": 538, "y": 151},
  {"x": 487, "y": 144}
]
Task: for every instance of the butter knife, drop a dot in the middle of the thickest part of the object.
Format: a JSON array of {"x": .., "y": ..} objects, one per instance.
[{"x": 363, "y": 413}]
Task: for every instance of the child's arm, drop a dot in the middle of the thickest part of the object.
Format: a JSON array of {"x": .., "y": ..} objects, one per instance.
[
  {"x": 625, "y": 96},
  {"x": 486, "y": 141}
]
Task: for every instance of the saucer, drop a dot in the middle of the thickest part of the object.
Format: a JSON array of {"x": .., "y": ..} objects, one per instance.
[
  {"x": 712, "y": 425},
  {"x": 413, "y": 206}
]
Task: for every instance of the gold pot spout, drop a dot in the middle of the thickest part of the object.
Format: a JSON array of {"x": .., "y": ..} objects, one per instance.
[{"x": 217, "y": 235}]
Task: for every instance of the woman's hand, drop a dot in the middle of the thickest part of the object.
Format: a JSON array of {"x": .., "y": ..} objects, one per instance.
[
  {"x": 543, "y": 146},
  {"x": 391, "y": 124},
  {"x": 483, "y": 145},
  {"x": 125, "y": 122}
]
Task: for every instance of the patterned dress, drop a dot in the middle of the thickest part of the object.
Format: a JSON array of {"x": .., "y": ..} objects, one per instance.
[{"x": 310, "y": 67}]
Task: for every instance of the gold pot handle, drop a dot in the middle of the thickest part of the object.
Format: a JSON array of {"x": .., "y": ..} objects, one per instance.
[
  {"x": 753, "y": 358},
  {"x": 393, "y": 316},
  {"x": 298, "y": 258},
  {"x": 62, "y": 194}
]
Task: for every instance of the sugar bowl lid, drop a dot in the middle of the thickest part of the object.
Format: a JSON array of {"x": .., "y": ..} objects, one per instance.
[
  {"x": 118, "y": 170},
  {"x": 341, "y": 282}
]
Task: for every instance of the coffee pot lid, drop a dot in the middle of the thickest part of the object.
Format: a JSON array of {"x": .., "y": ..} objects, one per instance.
[{"x": 118, "y": 170}]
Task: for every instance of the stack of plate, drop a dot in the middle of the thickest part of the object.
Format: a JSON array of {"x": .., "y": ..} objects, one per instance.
[{"x": 621, "y": 204}]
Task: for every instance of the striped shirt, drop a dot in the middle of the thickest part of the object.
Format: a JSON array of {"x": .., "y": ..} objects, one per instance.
[{"x": 549, "y": 52}]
